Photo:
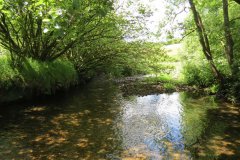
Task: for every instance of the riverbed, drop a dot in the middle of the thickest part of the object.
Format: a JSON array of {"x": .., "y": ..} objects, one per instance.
[{"x": 99, "y": 121}]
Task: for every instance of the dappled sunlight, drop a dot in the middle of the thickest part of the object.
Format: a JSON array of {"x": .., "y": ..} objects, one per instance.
[
  {"x": 222, "y": 138},
  {"x": 25, "y": 151},
  {"x": 119, "y": 79},
  {"x": 36, "y": 109},
  {"x": 233, "y": 110},
  {"x": 103, "y": 121},
  {"x": 69, "y": 119},
  {"x": 220, "y": 146},
  {"x": 102, "y": 126},
  {"x": 53, "y": 137},
  {"x": 141, "y": 152},
  {"x": 83, "y": 143}
]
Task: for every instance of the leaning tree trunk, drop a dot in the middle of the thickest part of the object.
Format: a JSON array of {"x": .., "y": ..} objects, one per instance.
[
  {"x": 203, "y": 39},
  {"x": 228, "y": 36}
]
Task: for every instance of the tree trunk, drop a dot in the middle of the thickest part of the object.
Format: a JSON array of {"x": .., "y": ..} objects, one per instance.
[
  {"x": 228, "y": 36},
  {"x": 203, "y": 39}
]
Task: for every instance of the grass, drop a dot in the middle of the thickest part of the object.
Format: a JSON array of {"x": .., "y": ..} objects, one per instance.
[
  {"x": 164, "y": 78},
  {"x": 47, "y": 77},
  {"x": 36, "y": 77},
  {"x": 8, "y": 74},
  {"x": 169, "y": 86}
]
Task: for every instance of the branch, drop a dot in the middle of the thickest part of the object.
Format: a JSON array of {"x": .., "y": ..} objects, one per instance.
[
  {"x": 234, "y": 19},
  {"x": 193, "y": 30},
  {"x": 5, "y": 33}
]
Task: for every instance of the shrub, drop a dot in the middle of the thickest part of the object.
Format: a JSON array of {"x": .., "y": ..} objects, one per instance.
[{"x": 198, "y": 74}]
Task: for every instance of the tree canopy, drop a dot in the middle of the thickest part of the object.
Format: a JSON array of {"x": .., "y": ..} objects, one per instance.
[{"x": 45, "y": 30}]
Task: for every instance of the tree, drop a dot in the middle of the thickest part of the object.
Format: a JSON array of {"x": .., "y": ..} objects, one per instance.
[
  {"x": 46, "y": 30},
  {"x": 228, "y": 36},
  {"x": 203, "y": 38}
]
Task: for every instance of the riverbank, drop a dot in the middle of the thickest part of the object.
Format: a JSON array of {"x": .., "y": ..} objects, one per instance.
[
  {"x": 144, "y": 85},
  {"x": 34, "y": 78}
]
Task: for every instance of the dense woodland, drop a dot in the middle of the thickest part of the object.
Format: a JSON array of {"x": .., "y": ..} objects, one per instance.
[{"x": 46, "y": 45}]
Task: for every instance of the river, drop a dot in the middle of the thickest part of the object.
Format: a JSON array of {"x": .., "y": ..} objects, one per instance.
[{"x": 99, "y": 122}]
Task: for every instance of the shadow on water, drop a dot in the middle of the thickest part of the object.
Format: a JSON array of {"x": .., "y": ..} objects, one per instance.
[
  {"x": 97, "y": 122},
  {"x": 221, "y": 139},
  {"x": 75, "y": 126},
  {"x": 214, "y": 133}
]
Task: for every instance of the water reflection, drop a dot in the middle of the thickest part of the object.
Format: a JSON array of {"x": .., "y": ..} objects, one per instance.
[
  {"x": 97, "y": 122},
  {"x": 152, "y": 126}
]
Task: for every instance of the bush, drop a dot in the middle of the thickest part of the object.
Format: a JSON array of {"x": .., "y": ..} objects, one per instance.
[
  {"x": 8, "y": 74},
  {"x": 39, "y": 77},
  {"x": 198, "y": 74}
]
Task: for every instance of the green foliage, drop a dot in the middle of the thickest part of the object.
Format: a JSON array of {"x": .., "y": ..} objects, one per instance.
[
  {"x": 171, "y": 41},
  {"x": 119, "y": 58},
  {"x": 197, "y": 70},
  {"x": 46, "y": 77},
  {"x": 169, "y": 86},
  {"x": 198, "y": 74},
  {"x": 8, "y": 75},
  {"x": 40, "y": 77},
  {"x": 146, "y": 58},
  {"x": 214, "y": 88},
  {"x": 89, "y": 33},
  {"x": 163, "y": 78},
  {"x": 46, "y": 30},
  {"x": 195, "y": 118},
  {"x": 212, "y": 17}
]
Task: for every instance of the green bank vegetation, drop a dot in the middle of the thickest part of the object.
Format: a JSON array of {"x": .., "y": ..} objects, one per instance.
[
  {"x": 51, "y": 45},
  {"x": 212, "y": 46},
  {"x": 34, "y": 78}
]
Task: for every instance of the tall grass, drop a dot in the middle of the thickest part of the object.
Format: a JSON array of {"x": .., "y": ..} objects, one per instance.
[
  {"x": 39, "y": 77},
  {"x": 8, "y": 75}
]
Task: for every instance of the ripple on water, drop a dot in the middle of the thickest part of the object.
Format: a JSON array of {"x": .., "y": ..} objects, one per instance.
[{"x": 99, "y": 123}]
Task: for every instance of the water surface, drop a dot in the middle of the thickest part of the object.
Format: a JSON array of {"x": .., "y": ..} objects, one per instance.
[{"x": 98, "y": 122}]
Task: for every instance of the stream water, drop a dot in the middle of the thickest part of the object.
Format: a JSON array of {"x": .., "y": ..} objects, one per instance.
[{"x": 98, "y": 122}]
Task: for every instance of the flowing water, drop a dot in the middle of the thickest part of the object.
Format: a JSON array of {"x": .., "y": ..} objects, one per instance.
[{"x": 100, "y": 122}]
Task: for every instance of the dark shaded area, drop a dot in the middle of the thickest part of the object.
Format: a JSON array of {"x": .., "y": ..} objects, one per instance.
[
  {"x": 237, "y": 1},
  {"x": 70, "y": 126}
]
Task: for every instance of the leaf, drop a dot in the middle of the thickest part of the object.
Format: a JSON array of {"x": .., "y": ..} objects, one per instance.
[
  {"x": 76, "y": 4},
  {"x": 46, "y": 20}
]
